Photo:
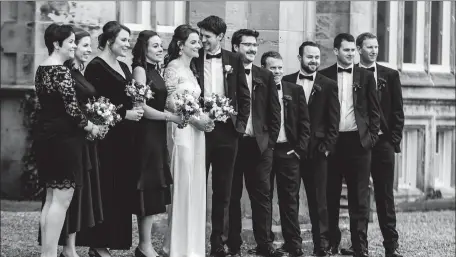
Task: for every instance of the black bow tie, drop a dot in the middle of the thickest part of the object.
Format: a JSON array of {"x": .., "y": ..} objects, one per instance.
[
  {"x": 247, "y": 71},
  {"x": 302, "y": 76},
  {"x": 371, "y": 69},
  {"x": 279, "y": 86},
  {"x": 210, "y": 56},
  {"x": 339, "y": 69}
]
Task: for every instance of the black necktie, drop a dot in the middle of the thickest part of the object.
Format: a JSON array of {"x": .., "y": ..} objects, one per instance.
[
  {"x": 247, "y": 71},
  {"x": 210, "y": 56},
  {"x": 278, "y": 86},
  {"x": 302, "y": 76},
  {"x": 371, "y": 69},
  {"x": 339, "y": 69}
]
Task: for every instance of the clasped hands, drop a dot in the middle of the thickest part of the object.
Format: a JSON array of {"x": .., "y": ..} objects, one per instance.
[{"x": 204, "y": 123}]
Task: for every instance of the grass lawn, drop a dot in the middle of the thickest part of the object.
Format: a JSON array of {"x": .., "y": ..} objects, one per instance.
[{"x": 422, "y": 234}]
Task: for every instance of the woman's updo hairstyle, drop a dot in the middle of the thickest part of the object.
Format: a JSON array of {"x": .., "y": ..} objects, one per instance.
[
  {"x": 110, "y": 32},
  {"x": 140, "y": 49},
  {"x": 78, "y": 35},
  {"x": 181, "y": 34}
]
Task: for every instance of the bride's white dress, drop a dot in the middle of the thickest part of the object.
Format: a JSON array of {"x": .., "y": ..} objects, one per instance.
[{"x": 186, "y": 236}]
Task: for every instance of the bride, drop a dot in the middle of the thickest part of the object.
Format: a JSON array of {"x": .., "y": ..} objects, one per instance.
[{"x": 187, "y": 235}]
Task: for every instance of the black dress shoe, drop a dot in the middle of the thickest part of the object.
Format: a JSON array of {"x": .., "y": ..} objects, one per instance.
[
  {"x": 347, "y": 251},
  {"x": 333, "y": 250},
  {"x": 92, "y": 253},
  {"x": 233, "y": 253},
  {"x": 295, "y": 253},
  {"x": 283, "y": 249},
  {"x": 266, "y": 252},
  {"x": 394, "y": 253},
  {"x": 321, "y": 252},
  {"x": 361, "y": 254},
  {"x": 62, "y": 255},
  {"x": 218, "y": 253}
]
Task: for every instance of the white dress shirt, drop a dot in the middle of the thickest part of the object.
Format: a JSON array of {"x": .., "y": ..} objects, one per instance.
[
  {"x": 249, "y": 128},
  {"x": 213, "y": 75},
  {"x": 376, "y": 81},
  {"x": 347, "y": 111},
  {"x": 306, "y": 84},
  {"x": 282, "y": 135}
]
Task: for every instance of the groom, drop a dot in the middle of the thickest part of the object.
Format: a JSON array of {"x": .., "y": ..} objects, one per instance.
[{"x": 221, "y": 72}]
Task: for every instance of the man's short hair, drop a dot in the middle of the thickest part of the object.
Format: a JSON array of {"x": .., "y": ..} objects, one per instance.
[
  {"x": 236, "y": 39},
  {"x": 307, "y": 43},
  {"x": 366, "y": 35},
  {"x": 272, "y": 54},
  {"x": 213, "y": 24},
  {"x": 341, "y": 37}
]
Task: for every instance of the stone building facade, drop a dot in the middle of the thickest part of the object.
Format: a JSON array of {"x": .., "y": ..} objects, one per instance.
[{"x": 417, "y": 38}]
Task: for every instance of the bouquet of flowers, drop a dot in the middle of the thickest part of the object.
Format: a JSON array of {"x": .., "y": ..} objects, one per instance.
[
  {"x": 102, "y": 112},
  {"x": 139, "y": 93},
  {"x": 218, "y": 108},
  {"x": 186, "y": 105}
]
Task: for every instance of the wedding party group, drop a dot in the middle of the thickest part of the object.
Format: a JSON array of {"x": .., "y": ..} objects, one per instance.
[{"x": 112, "y": 141}]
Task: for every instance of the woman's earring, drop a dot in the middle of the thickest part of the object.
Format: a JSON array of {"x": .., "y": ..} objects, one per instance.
[{"x": 180, "y": 52}]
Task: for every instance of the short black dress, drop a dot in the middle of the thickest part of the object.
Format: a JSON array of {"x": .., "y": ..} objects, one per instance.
[
  {"x": 152, "y": 170},
  {"x": 58, "y": 135}
]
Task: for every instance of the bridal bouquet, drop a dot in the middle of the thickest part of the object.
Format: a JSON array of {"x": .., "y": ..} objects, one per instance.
[
  {"x": 102, "y": 112},
  {"x": 138, "y": 93},
  {"x": 218, "y": 108},
  {"x": 186, "y": 105}
]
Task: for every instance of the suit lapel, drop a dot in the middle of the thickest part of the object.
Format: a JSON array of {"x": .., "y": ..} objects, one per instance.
[
  {"x": 294, "y": 77},
  {"x": 286, "y": 91},
  {"x": 381, "y": 74},
  {"x": 356, "y": 80},
  {"x": 332, "y": 72},
  {"x": 314, "y": 89},
  {"x": 200, "y": 69},
  {"x": 225, "y": 61}
]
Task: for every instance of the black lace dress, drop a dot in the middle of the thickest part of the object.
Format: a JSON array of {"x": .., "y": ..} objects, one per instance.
[
  {"x": 59, "y": 136},
  {"x": 152, "y": 171}
]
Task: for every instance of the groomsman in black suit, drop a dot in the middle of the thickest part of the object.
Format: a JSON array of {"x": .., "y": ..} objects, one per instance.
[
  {"x": 291, "y": 147},
  {"x": 324, "y": 109},
  {"x": 222, "y": 143},
  {"x": 358, "y": 132},
  {"x": 254, "y": 158},
  {"x": 392, "y": 123}
]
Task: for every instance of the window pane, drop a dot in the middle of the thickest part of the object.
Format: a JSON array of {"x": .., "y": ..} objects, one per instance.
[
  {"x": 383, "y": 30},
  {"x": 436, "y": 32},
  {"x": 165, "y": 13},
  {"x": 410, "y": 20},
  {"x": 129, "y": 11}
]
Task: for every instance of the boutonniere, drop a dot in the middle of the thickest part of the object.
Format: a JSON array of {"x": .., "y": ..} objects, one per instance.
[
  {"x": 315, "y": 88},
  {"x": 257, "y": 82},
  {"x": 287, "y": 98},
  {"x": 227, "y": 70},
  {"x": 356, "y": 86},
  {"x": 381, "y": 84}
]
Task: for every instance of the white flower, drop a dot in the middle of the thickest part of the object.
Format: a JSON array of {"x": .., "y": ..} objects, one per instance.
[{"x": 228, "y": 68}]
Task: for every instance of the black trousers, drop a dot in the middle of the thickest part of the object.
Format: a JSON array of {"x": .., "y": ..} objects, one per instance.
[
  {"x": 351, "y": 162},
  {"x": 382, "y": 170},
  {"x": 314, "y": 173},
  {"x": 285, "y": 167},
  {"x": 256, "y": 169},
  {"x": 221, "y": 151}
]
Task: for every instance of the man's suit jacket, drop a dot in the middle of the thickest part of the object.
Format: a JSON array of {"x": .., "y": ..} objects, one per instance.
[
  {"x": 389, "y": 92},
  {"x": 235, "y": 85},
  {"x": 324, "y": 111},
  {"x": 296, "y": 117},
  {"x": 365, "y": 103},
  {"x": 265, "y": 108}
]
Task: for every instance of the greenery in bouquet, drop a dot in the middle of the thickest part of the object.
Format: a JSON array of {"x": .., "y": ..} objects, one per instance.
[
  {"x": 218, "y": 108},
  {"x": 187, "y": 106}
]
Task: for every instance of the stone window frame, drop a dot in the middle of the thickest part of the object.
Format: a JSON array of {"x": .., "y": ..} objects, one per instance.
[
  {"x": 147, "y": 14},
  {"x": 396, "y": 40}
]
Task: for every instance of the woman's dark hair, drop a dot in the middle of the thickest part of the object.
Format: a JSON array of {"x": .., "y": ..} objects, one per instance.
[
  {"x": 110, "y": 32},
  {"x": 56, "y": 33},
  {"x": 78, "y": 35},
  {"x": 181, "y": 35},
  {"x": 140, "y": 49}
]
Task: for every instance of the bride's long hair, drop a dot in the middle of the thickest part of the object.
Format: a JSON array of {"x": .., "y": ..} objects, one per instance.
[{"x": 181, "y": 34}]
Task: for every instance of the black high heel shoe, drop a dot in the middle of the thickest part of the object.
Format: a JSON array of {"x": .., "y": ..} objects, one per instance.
[
  {"x": 62, "y": 255},
  {"x": 139, "y": 253},
  {"x": 93, "y": 253}
]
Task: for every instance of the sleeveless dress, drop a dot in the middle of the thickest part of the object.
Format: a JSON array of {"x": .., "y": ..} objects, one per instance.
[
  {"x": 152, "y": 171},
  {"x": 186, "y": 236}
]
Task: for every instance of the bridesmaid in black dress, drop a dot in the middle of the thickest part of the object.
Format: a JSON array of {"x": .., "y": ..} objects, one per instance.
[
  {"x": 152, "y": 173},
  {"x": 86, "y": 207},
  {"x": 109, "y": 77},
  {"x": 59, "y": 136}
]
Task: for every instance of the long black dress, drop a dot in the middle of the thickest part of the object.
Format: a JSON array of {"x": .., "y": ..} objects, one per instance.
[
  {"x": 152, "y": 172},
  {"x": 114, "y": 153}
]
